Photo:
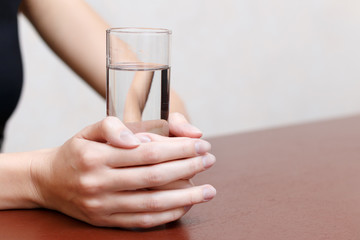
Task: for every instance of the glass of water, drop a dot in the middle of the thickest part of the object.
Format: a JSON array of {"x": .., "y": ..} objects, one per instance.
[{"x": 138, "y": 77}]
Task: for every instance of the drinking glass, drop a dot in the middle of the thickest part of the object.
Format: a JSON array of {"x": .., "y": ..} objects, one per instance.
[{"x": 138, "y": 77}]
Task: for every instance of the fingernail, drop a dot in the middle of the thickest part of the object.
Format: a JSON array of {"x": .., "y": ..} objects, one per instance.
[
  {"x": 202, "y": 147},
  {"x": 208, "y": 160},
  {"x": 209, "y": 193},
  {"x": 129, "y": 138},
  {"x": 144, "y": 139}
]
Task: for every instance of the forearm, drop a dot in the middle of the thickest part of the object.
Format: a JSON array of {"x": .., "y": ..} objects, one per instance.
[
  {"x": 75, "y": 33},
  {"x": 16, "y": 186}
]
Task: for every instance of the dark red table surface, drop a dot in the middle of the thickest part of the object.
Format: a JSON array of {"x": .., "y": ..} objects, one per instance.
[{"x": 296, "y": 182}]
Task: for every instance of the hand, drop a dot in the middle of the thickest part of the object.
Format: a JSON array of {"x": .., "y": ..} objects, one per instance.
[{"x": 100, "y": 174}]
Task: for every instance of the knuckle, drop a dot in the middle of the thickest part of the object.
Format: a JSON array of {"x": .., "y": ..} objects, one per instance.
[
  {"x": 145, "y": 221},
  {"x": 107, "y": 123},
  {"x": 153, "y": 204},
  {"x": 150, "y": 155},
  {"x": 188, "y": 147},
  {"x": 193, "y": 198},
  {"x": 74, "y": 146},
  {"x": 88, "y": 185},
  {"x": 92, "y": 208},
  {"x": 175, "y": 215},
  {"x": 195, "y": 166},
  {"x": 87, "y": 158},
  {"x": 153, "y": 178}
]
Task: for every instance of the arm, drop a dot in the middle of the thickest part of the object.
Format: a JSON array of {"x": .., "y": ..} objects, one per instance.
[
  {"x": 77, "y": 35},
  {"x": 45, "y": 178}
]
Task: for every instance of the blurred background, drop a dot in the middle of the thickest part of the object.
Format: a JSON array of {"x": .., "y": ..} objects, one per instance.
[{"x": 239, "y": 65}]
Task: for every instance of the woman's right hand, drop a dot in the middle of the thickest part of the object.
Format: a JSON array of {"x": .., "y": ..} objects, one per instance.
[{"x": 105, "y": 176}]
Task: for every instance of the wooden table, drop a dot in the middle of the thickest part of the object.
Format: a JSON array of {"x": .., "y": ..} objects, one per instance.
[{"x": 297, "y": 182}]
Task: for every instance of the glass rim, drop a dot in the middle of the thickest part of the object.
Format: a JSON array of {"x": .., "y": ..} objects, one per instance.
[{"x": 141, "y": 30}]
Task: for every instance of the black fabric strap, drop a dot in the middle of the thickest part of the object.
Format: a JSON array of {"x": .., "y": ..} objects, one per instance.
[{"x": 1, "y": 137}]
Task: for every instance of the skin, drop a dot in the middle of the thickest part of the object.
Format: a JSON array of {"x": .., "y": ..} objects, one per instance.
[{"x": 105, "y": 175}]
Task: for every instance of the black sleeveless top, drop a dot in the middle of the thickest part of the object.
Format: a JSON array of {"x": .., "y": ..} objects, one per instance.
[{"x": 11, "y": 75}]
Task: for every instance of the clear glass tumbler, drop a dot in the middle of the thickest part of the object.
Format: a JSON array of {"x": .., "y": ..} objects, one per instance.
[{"x": 138, "y": 77}]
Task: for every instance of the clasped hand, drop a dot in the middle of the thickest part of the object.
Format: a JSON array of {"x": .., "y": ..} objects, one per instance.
[{"x": 108, "y": 176}]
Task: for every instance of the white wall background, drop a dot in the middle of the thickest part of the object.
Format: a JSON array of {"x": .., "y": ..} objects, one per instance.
[{"x": 239, "y": 65}]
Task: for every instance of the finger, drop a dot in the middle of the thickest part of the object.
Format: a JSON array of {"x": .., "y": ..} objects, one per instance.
[
  {"x": 160, "y": 127},
  {"x": 112, "y": 131},
  {"x": 160, "y": 200},
  {"x": 156, "y": 175},
  {"x": 156, "y": 152},
  {"x": 145, "y": 220},
  {"x": 180, "y": 127}
]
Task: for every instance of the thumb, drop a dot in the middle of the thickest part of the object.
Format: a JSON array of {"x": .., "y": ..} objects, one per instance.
[
  {"x": 112, "y": 131},
  {"x": 180, "y": 127}
]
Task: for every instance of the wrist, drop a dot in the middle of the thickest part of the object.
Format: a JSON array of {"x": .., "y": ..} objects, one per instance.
[
  {"x": 39, "y": 172},
  {"x": 17, "y": 186}
]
